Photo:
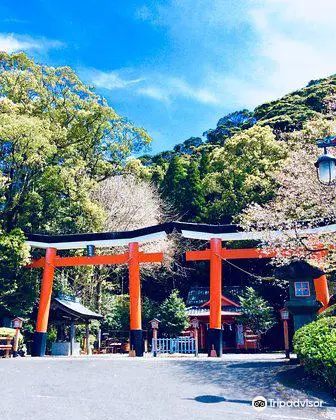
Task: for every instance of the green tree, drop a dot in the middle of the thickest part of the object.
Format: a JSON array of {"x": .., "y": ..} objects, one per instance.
[
  {"x": 16, "y": 292},
  {"x": 172, "y": 314},
  {"x": 58, "y": 140},
  {"x": 255, "y": 312},
  {"x": 173, "y": 186},
  {"x": 204, "y": 163},
  {"x": 230, "y": 125},
  {"x": 194, "y": 193},
  {"x": 150, "y": 310},
  {"x": 242, "y": 172},
  {"x": 116, "y": 311}
]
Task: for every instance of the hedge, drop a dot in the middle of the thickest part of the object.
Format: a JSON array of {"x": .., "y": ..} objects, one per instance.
[
  {"x": 331, "y": 311},
  {"x": 315, "y": 345}
]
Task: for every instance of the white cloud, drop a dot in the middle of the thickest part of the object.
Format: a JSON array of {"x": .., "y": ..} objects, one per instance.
[
  {"x": 292, "y": 42},
  {"x": 295, "y": 43},
  {"x": 111, "y": 80},
  {"x": 155, "y": 93},
  {"x": 156, "y": 86},
  {"x": 166, "y": 89},
  {"x": 12, "y": 43},
  {"x": 305, "y": 11}
]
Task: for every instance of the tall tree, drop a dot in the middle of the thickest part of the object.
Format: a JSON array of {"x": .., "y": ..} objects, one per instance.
[
  {"x": 256, "y": 313},
  {"x": 58, "y": 139},
  {"x": 242, "y": 172},
  {"x": 172, "y": 314},
  {"x": 173, "y": 186},
  {"x": 194, "y": 193},
  {"x": 299, "y": 201}
]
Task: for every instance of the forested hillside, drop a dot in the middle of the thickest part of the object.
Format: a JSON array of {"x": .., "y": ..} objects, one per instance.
[
  {"x": 66, "y": 166},
  {"x": 213, "y": 177}
]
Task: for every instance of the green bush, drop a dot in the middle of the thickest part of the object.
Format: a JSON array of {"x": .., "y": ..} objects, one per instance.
[
  {"x": 331, "y": 311},
  {"x": 315, "y": 345}
]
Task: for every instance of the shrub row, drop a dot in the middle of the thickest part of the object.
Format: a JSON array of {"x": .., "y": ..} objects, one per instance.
[{"x": 315, "y": 345}]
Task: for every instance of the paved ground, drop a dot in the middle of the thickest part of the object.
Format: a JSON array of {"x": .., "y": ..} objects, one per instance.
[{"x": 109, "y": 388}]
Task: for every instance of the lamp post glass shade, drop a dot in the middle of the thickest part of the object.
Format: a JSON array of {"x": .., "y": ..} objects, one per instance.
[
  {"x": 326, "y": 169},
  {"x": 17, "y": 323},
  {"x": 284, "y": 314},
  {"x": 195, "y": 323},
  {"x": 154, "y": 324}
]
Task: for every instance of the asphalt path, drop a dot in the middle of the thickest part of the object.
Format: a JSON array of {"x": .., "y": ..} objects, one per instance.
[{"x": 123, "y": 388}]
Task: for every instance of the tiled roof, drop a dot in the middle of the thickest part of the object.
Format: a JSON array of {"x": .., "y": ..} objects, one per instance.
[
  {"x": 75, "y": 308},
  {"x": 206, "y": 311},
  {"x": 199, "y": 295}
]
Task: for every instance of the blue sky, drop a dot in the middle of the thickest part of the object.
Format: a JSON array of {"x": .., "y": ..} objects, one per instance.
[{"x": 175, "y": 67}]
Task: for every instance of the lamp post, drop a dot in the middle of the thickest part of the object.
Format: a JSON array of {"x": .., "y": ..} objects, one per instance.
[
  {"x": 285, "y": 317},
  {"x": 155, "y": 326},
  {"x": 195, "y": 325},
  {"x": 17, "y": 324},
  {"x": 326, "y": 163}
]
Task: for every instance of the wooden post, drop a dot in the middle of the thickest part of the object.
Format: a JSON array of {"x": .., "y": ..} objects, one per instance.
[
  {"x": 99, "y": 340},
  {"x": 16, "y": 342},
  {"x": 154, "y": 342},
  {"x": 196, "y": 341},
  {"x": 40, "y": 335},
  {"x": 286, "y": 339},
  {"x": 87, "y": 338},
  {"x": 72, "y": 338}
]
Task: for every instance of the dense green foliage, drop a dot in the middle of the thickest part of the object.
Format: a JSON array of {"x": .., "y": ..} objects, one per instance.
[
  {"x": 256, "y": 313},
  {"x": 172, "y": 314},
  {"x": 292, "y": 110},
  {"x": 230, "y": 125},
  {"x": 59, "y": 142},
  {"x": 315, "y": 345},
  {"x": 58, "y": 139},
  {"x": 215, "y": 184},
  {"x": 117, "y": 312},
  {"x": 237, "y": 159},
  {"x": 331, "y": 311}
]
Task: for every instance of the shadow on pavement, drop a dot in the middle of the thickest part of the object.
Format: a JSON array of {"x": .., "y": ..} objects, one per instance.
[
  {"x": 255, "y": 365},
  {"x": 208, "y": 399},
  {"x": 297, "y": 378},
  {"x": 272, "y": 379}
]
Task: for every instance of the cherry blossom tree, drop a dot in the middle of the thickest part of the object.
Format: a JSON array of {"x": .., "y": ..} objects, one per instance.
[{"x": 300, "y": 202}]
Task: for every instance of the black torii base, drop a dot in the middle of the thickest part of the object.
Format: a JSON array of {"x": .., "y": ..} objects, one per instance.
[
  {"x": 136, "y": 342},
  {"x": 39, "y": 344},
  {"x": 215, "y": 341}
]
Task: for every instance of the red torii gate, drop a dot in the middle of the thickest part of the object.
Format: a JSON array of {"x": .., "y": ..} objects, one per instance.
[
  {"x": 215, "y": 254},
  {"x": 133, "y": 258}
]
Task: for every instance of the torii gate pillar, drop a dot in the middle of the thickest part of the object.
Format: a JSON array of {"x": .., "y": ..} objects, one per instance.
[
  {"x": 136, "y": 340},
  {"x": 40, "y": 335},
  {"x": 215, "y": 333}
]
